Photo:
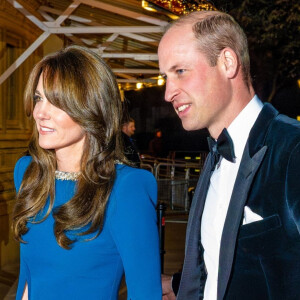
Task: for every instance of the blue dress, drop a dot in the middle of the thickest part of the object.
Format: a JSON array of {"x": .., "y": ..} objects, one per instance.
[{"x": 93, "y": 269}]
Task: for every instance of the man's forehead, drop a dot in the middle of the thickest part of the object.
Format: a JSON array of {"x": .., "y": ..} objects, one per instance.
[
  {"x": 174, "y": 46},
  {"x": 177, "y": 37}
]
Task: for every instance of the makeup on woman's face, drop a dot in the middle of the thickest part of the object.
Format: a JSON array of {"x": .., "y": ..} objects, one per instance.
[{"x": 56, "y": 128}]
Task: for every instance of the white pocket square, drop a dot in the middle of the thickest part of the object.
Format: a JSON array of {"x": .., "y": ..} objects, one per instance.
[{"x": 250, "y": 216}]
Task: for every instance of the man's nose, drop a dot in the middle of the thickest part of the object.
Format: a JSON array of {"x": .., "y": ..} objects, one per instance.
[{"x": 171, "y": 90}]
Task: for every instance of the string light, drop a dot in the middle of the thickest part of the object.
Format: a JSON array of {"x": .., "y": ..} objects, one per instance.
[
  {"x": 139, "y": 85},
  {"x": 145, "y": 5},
  {"x": 160, "y": 80},
  {"x": 179, "y": 7}
]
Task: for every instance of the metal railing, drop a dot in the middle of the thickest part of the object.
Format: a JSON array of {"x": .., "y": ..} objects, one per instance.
[{"x": 176, "y": 179}]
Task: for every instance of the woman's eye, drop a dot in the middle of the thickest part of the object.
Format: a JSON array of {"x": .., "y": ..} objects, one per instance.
[{"x": 36, "y": 98}]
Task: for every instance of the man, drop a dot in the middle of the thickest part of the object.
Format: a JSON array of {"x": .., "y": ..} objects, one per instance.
[
  {"x": 131, "y": 152},
  {"x": 242, "y": 238}
]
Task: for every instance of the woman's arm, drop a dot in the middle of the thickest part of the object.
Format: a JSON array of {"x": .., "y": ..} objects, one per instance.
[
  {"x": 20, "y": 167},
  {"x": 134, "y": 229}
]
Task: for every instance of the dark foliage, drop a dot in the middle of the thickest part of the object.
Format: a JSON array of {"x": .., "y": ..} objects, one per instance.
[{"x": 273, "y": 30}]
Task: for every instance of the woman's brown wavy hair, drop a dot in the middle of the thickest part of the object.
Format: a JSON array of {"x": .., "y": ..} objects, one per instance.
[{"x": 79, "y": 82}]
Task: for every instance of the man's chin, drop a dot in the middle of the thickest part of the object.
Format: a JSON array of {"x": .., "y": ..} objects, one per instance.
[{"x": 190, "y": 127}]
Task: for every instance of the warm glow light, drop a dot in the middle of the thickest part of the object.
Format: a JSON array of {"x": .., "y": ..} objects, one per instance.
[
  {"x": 298, "y": 83},
  {"x": 160, "y": 80},
  {"x": 173, "y": 17},
  {"x": 146, "y": 6},
  {"x": 298, "y": 118},
  {"x": 177, "y": 7},
  {"x": 122, "y": 95},
  {"x": 139, "y": 85}
]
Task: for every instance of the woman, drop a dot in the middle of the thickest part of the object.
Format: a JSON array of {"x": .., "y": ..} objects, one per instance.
[{"x": 82, "y": 216}]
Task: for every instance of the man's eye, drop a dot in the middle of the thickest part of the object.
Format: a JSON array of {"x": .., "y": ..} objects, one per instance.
[{"x": 179, "y": 71}]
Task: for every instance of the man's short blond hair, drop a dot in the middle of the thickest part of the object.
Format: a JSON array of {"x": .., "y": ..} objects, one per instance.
[{"x": 215, "y": 31}]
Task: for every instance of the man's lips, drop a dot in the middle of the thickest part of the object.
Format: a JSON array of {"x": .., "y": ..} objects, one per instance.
[{"x": 181, "y": 108}]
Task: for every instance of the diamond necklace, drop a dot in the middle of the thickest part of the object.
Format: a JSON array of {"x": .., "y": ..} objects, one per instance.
[{"x": 60, "y": 175}]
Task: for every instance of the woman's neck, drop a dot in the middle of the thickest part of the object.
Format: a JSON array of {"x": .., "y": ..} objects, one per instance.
[{"x": 68, "y": 162}]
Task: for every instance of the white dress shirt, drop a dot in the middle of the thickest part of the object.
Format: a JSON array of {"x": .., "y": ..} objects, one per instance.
[{"x": 219, "y": 194}]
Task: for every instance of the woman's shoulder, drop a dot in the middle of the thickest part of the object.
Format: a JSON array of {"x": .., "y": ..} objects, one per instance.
[
  {"x": 134, "y": 190},
  {"x": 23, "y": 163},
  {"x": 135, "y": 182},
  {"x": 125, "y": 172},
  {"x": 20, "y": 169}
]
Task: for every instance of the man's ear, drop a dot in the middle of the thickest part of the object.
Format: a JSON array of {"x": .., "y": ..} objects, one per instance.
[{"x": 229, "y": 61}]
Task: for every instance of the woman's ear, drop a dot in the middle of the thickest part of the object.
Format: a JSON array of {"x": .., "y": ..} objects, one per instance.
[{"x": 229, "y": 61}]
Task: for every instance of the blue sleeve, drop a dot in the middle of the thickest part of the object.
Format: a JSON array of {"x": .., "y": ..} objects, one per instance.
[
  {"x": 20, "y": 169},
  {"x": 134, "y": 228}
]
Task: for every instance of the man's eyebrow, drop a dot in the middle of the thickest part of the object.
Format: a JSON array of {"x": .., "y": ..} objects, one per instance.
[{"x": 174, "y": 67}]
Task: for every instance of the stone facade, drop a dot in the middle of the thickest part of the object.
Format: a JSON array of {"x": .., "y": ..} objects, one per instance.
[{"x": 16, "y": 34}]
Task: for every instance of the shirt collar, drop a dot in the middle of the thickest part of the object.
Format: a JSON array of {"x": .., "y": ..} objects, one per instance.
[{"x": 240, "y": 128}]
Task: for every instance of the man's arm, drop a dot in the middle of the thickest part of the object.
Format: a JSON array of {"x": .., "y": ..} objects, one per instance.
[{"x": 293, "y": 187}]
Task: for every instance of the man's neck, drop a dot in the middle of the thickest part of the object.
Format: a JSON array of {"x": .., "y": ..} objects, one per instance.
[{"x": 239, "y": 102}]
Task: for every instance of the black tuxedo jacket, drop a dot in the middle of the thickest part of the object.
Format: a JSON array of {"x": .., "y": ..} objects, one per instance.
[{"x": 260, "y": 260}]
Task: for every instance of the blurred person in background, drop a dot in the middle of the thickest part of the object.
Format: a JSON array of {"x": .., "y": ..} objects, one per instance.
[
  {"x": 156, "y": 144},
  {"x": 130, "y": 148}
]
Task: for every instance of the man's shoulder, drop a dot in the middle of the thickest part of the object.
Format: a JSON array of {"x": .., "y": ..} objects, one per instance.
[
  {"x": 285, "y": 125},
  {"x": 284, "y": 131}
]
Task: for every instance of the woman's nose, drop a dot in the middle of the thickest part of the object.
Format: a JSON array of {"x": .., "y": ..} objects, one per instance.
[{"x": 42, "y": 110}]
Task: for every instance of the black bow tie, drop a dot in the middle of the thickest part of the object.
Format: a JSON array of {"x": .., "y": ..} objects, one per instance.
[{"x": 222, "y": 147}]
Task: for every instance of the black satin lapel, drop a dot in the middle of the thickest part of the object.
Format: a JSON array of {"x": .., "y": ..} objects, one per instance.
[
  {"x": 199, "y": 198},
  {"x": 247, "y": 170},
  {"x": 190, "y": 279}
]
